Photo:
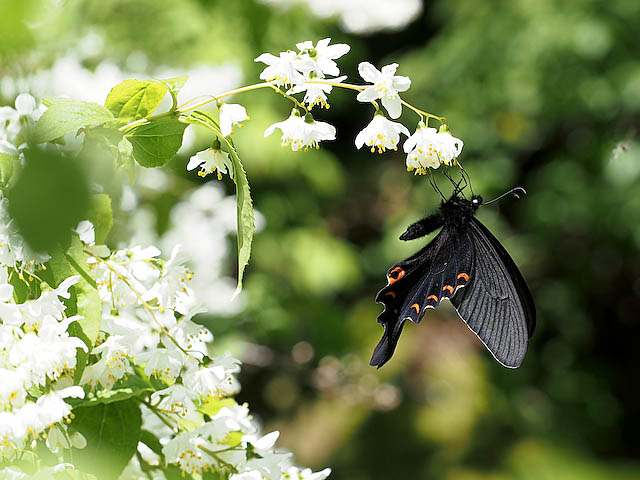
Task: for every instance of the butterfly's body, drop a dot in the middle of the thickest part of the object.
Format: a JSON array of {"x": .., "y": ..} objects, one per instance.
[{"x": 466, "y": 264}]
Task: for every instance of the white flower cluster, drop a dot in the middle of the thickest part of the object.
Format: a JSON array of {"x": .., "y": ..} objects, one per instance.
[
  {"x": 147, "y": 326},
  {"x": 37, "y": 358},
  {"x": 305, "y": 71},
  {"x": 148, "y": 307}
]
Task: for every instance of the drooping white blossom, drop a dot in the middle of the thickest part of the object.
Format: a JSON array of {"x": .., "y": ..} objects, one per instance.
[
  {"x": 381, "y": 134},
  {"x": 428, "y": 148},
  {"x": 386, "y": 86},
  {"x": 300, "y": 133},
  {"x": 211, "y": 160},
  {"x": 315, "y": 91}
]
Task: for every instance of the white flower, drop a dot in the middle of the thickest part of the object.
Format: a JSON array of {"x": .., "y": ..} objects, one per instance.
[
  {"x": 428, "y": 148},
  {"x": 162, "y": 362},
  {"x": 300, "y": 133},
  {"x": 216, "y": 379},
  {"x": 316, "y": 93},
  {"x": 183, "y": 449},
  {"x": 86, "y": 232},
  {"x": 231, "y": 114},
  {"x": 283, "y": 70},
  {"x": 190, "y": 336},
  {"x": 323, "y": 56},
  {"x": 211, "y": 160},
  {"x": 23, "y": 118},
  {"x": 381, "y": 134},
  {"x": 296, "y": 473},
  {"x": 386, "y": 86},
  {"x": 449, "y": 147},
  {"x": 175, "y": 399}
]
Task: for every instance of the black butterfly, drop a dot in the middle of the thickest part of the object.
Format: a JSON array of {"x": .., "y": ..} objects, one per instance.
[{"x": 466, "y": 264}]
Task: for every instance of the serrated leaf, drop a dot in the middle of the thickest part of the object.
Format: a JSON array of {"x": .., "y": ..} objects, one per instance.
[
  {"x": 135, "y": 99},
  {"x": 112, "y": 431},
  {"x": 64, "y": 116},
  {"x": 155, "y": 143},
  {"x": 246, "y": 219},
  {"x": 101, "y": 216},
  {"x": 245, "y": 214}
]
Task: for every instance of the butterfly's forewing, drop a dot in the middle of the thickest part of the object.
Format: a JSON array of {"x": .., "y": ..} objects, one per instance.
[
  {"x": 496, "y": 304},
  {"x": 421, "y": 282}
]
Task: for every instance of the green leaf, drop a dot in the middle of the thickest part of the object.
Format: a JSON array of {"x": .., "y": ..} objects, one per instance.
[
  {"x": 175, "y": 84},
  {"x": 125, "y": 159},
  {"x": 155, "y": 143},
  {"x": 62, "y": 265},
  {"x": 49, "y": 198},
  {"x": 135, "y": 99},
  {"x": 75, "y": 330},
  {"x": 9, "y": 166},
  {"x": 246, "y": 222},
  {"x": 101, "y": 216},
  {"x": 64, "y": 116},
  {"x": 245, "y": 215},
  {"x": 112, "y": 431},
  {"x": 133, "y": 386},
  {"x": 214, "y": 404}
]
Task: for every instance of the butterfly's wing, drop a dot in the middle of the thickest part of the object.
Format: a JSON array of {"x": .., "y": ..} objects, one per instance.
[
  {"x": 421, "y": 282},
  {"x": 496, "y": 304}
]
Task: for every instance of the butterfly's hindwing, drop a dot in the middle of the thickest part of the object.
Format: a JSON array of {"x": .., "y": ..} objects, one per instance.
[
  {"x": 496, "y": 304},
  {"x": 422, "y": 282}
]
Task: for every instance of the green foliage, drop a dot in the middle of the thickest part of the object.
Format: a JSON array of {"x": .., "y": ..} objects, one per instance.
[
  {"x": 132, "y": 387},
  {"x": 48, "y": 199},
  {"x": 245, "y": 215},
  {"x": 73, "y": 261},
  {"x": 101, "y": 216},
  {"x": 156, "y": 142},
  {"x": 66, "y": 116},
  {"x": 112, "y": 431},
  {"x": 9, "y": 166},
  {"x": 135, "y": 99}
]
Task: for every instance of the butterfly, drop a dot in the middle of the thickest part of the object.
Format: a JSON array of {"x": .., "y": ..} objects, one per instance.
[{"x": 466, "y": 264}]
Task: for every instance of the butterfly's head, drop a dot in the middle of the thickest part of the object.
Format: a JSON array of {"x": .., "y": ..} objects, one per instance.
[{"x": 476, "y": 201}]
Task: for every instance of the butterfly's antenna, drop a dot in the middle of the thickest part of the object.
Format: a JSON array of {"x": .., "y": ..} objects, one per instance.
[
  {"x": 457, "y": 189},
  {"x": 513, "y": 191},
  {"x": 467, "y": 178},
  {"x": 434, "y": 184}
]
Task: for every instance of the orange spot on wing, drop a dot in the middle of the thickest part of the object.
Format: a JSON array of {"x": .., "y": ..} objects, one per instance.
[
  {"x": 448, "y": 287},
  {"x": 417, "y": 307},
  {"x": 435, "y": 299},
  {"x": 396, "y": 274},
  {"x": 390, "y": 294},
  {"x": 464, "y": 276}
]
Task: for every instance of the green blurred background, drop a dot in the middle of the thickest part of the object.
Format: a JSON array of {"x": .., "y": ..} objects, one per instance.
[{"x": 544, "y": 94}]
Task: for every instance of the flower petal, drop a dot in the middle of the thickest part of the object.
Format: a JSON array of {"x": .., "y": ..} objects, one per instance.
[
  {"x": 369, "y": 94},
  {"x": 401, "y": 83},
  {"x": 368, "y": 72},
  {"x": 389, "y": 70},
  {"x": 393, "y": 106}
]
